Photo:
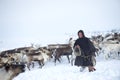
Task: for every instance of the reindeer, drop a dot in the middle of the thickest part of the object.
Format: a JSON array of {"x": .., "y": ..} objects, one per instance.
[
  {"x": 33, "y": 56},
  {"x": 110, "y": 50},
  {"x": 63, "y": 49},
  {"x": 48, "y": 52},
  {"x": 4, "y": 60},
  {"x": 73, "y": 56},
  {"x": 9, "y": 71}
]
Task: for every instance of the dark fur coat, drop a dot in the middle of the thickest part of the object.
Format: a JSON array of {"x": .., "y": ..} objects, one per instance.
[{"x": 87, "y": 51}]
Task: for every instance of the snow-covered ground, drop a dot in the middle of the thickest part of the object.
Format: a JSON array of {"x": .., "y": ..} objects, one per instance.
[{"x": 106, "y": 70}]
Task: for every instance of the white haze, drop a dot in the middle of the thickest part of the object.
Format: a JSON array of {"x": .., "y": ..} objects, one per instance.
[{"x": 43, "y": 22}]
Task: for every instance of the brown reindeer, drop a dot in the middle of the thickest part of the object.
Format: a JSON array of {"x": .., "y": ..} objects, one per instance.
[{"x": 63, "y": 51}]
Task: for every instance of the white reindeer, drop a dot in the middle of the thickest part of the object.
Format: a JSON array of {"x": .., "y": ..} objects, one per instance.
[
  {"x": 71, "y": 42},
  {"x": 110, "y": 50}
]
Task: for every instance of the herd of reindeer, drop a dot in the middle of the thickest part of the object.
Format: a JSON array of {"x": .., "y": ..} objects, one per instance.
[{"x": 14, "y": 61}]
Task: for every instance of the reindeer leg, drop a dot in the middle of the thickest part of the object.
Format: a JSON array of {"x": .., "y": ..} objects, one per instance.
[
  {"x": 42, "y": 61},
  {"x": 55, "y": 61},
  {"x": 28, "y": 66},
  {"x": 59, "y": 60},
  {"x": 32, "y": 64},
  {"x": 72, "y": 59},
  {"x": 40, "y": 65},
  {"x": 97, "y": 53},
  {"x": 72, "y": 62},
  {"x": 118, "y": 53},
  {"x": 68, "y": 58}
]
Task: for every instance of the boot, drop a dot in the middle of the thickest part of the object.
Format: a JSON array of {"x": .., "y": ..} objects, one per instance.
[
  {"x": 82, "y": 69},
  {"x": 94, "y": 69},
  {"x": 91, "y": 69}
]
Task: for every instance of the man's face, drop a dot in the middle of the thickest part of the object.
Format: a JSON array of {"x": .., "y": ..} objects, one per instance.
[{"x": 80, "y": 35}]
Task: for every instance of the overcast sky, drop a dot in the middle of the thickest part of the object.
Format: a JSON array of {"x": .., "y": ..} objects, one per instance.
[{"x": 53, "y": 21}]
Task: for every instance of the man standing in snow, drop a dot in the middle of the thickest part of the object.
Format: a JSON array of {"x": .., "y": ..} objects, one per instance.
[{"x": 87, "y": 52}]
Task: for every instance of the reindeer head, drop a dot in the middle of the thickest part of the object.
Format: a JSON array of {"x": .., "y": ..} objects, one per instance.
[{"x": 15, "y": 67}]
